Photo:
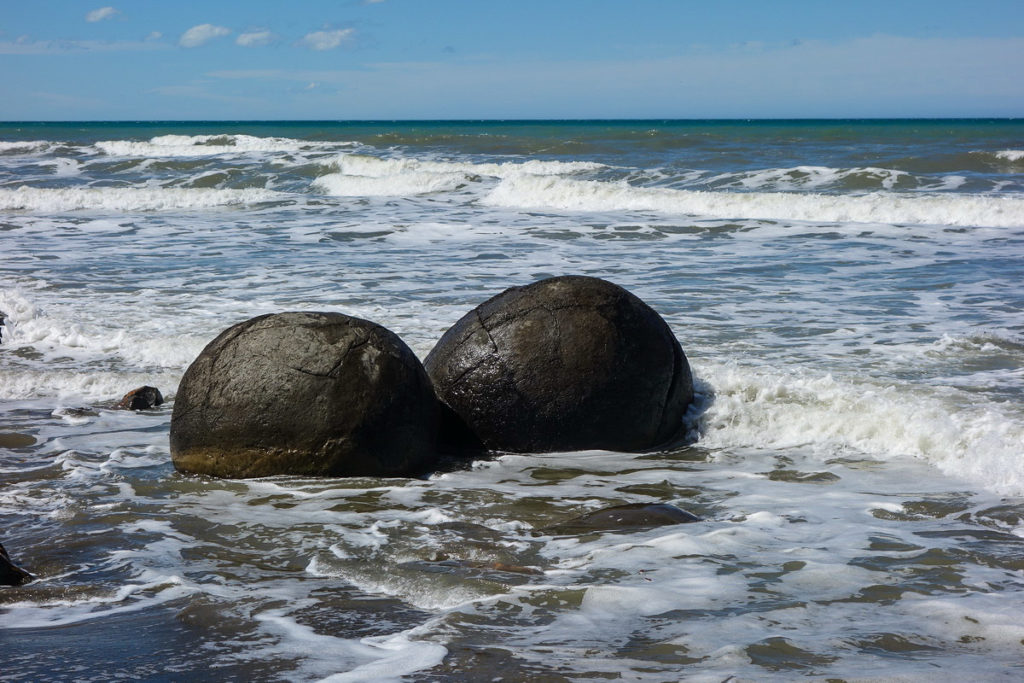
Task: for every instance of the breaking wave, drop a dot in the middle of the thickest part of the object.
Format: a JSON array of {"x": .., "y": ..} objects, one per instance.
[{"x": 568, "y": 194}]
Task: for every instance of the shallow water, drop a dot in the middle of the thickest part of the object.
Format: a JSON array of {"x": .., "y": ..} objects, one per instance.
[{"x": 848, "y": 294}]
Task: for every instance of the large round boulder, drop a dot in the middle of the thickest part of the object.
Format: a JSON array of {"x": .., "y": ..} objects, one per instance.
[
  {"x": 566, "y": 363},
  {"x": 318, "y": 394}
]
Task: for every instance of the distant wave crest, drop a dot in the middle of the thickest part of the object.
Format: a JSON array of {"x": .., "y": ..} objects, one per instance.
[
  {"x": 878, "y": 207},
  {"x": 209, "y": 145},
  {"x": 364, "y": 175}
]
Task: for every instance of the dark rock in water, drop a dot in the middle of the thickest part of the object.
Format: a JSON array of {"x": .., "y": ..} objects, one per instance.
[
  {"x": 76, "y": 412},
  {"x": 316, "y": 394},
  {"x": 3, "y": 321},
  {"x": 625, "y": 518},
  {"x": 16, "y": 440},
  {"x": 142, "y": 398},
  {"x": 566, "y": 363},
  {"x": 10, "y": 573}
]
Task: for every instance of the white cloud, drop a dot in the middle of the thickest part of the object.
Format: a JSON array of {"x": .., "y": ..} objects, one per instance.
[
  {"x": 326, "y": 40},
  {"x": 155, "y": 35},
  {"x": 101, "y": 14},
  {"x": 255, "y": 38},
  {"x": 203, "y": 33}
]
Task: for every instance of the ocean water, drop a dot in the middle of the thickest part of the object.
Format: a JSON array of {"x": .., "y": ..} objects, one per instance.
[{"x": 849, "y": 295}]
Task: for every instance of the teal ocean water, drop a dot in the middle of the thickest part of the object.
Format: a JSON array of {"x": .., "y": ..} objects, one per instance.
[{"x": 848, "y": 293}]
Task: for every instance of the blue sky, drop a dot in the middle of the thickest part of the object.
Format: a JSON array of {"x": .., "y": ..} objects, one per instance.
[{"x": 428, "y": 59}]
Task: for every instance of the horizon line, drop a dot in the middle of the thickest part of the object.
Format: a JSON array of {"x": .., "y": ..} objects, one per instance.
[{"x": 523, "y": 120}]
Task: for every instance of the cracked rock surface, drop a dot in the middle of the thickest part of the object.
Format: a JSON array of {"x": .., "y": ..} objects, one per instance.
[
  {"x": 566, "y": 363},
  {"x": 315, "y": 394}
]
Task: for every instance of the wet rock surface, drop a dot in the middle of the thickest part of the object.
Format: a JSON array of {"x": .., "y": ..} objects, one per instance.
[
  {"x": 317, "y": 394},
  {"x": 566, "y": 363},
  {"x": 143, "y": 398},
  {"x": 10, "y": 573}
]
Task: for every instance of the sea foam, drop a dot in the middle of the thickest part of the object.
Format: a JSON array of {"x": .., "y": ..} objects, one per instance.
[
  {"x": 1011, "y": 154},
  {"x": 26, "y": 147},
  {"x": 364, "y": 175},
  {"x": 44, "y": 200},
  {"x": 832, "y": 416},
  {"x": 398, "y": 185},
  {"x": 376, "y": 167},
  {"x": 208, "y": 145},
  {"x": 526, "y": 191}
]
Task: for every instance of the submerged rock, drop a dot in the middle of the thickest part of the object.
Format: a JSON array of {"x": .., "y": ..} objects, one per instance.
[
  {"x": 566, "y": 363},
  {"x": 16, "y": 440},
  {"x": 142, "y": 398},
  {"x": 316, "y": 394},
  {"x": 625, "y": 518},
  {"x": 10, "y": 573}
]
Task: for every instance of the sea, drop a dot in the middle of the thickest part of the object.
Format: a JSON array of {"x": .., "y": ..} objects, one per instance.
[{"x": 849, "y": 293}]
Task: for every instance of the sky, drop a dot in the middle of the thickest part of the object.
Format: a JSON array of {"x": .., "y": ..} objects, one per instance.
[{"x": 509, "y": 59}]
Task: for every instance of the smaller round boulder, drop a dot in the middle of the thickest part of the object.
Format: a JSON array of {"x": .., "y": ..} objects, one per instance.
[
  {"x": 566, "y": 363},
  {"x": 315, "y": 394},
  {"x": 143, "y": 398}
]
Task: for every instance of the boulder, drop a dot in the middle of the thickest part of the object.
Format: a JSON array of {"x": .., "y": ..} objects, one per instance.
[
  {"x": 315, "y": 394},
  {"x": 142, "y": 398},
  {"x": 566, "y": 363},
  {"x": 10, "y": 573}
]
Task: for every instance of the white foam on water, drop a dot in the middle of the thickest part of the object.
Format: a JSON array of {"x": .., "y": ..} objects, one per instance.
[
  {"x": 401, "y": 184},
  {"x": 133, "y": 597},
  {"x": 525, "y": 191},
  {"x": 396, "y": 656},
  {"x": 71, "y": 355},
  {"x": 61, "y": 328},
  {"x": 958, "y": 432},
  {"x": 9, "y": 147},
  {"x": 210, "y": 145},
  {"x": 989, "y": 619},
  {"x": 369, "y": 176},
  {"x": 375, "y": 658},
  {"x": 808, "y": 177},
  {"x": 1011, "y": 154},
  {"x": 66, "y": 168},
  {"x": 376, "y": 167},
  {"x": 76, "y": 385},
  {"x": 59, "y": 200},
  {"x": 450, "y": 233}
]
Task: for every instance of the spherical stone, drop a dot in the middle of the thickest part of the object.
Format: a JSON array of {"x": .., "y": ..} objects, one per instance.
[
  {"x": 316, "y": 394},
  {"x": 566, "y": 363},
  {"x": 142, "y": 398}
]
